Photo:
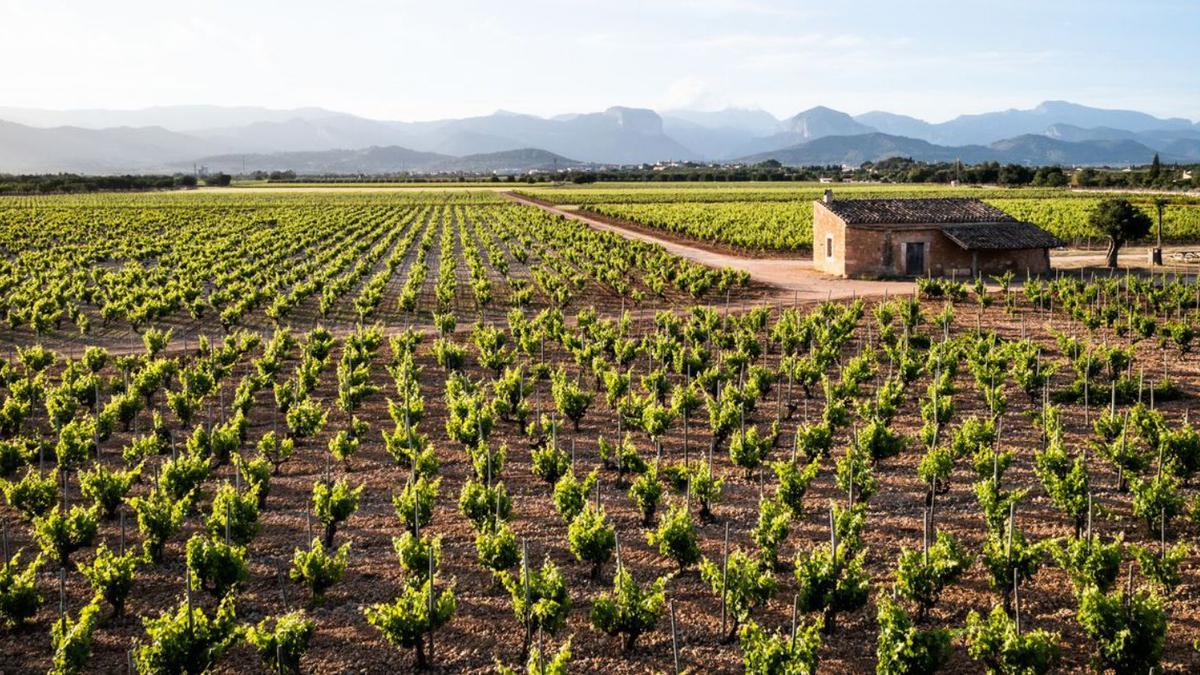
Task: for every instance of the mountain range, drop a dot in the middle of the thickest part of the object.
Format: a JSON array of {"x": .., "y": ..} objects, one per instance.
[{"x": 316, "y": 140}]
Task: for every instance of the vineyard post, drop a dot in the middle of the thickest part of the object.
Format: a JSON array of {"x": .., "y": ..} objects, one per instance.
[
  {"x": 687, "y": 385},
  {"x": 1017, "y": 600},
  {"x": 62, "y": 602},
  {"x": 1162, "y": 533},
  {"x": 279, "y": 576},
  {"x": 795, "y": 607},
  {"x": 541, "y": 664},
  {"x": 674, "y": 638},
  {"x": 431, "y": 602},
  {"x": 122, "y": 535},
  {"x": 724, "y": 577},
  {"x": 1086, "y": 377},
  {"x": 4, "y": 539},
  {"x": 832, "y": 540},
  {"x": 525, "y": 575},
  {"x": 925, "y": 535},
  {"x": 187, "y": 587},
  {"x": 1089, "y": 519},
  {"x": 1129, "y": 586}
]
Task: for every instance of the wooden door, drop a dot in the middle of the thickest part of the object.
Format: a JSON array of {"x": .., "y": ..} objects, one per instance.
[{"x": 914, "y": 258}]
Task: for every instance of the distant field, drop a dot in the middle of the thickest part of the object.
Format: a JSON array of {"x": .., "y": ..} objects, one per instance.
[{"x": 779, "y": 218}]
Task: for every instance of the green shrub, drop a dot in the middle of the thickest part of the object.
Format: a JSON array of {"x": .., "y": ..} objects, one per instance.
[
  {"x": 1156, "y": 499},
  {"x": 902, "y": 649},
  {"x": 234, "y": 515},
  {"x": 853, "y": 473},
  {"x": 306, "y": 418},
  {"x": 1089, "y": 562},
  {"x": 748, "y": 449},
  {"x": 16, "y": 453},
  {"x": 793, "y": 484},
  {"x": 537, "y": 665},
  {"x": 180, "y": 476},
  {"x": 256, "y": 474},
  {"x": 921, "y": 576},
  {"x": 997, "y": 644},
  {"x": 107, "y": 488},
  {"x": 316, "y": 569},
  {"x": 496, "y": 546},
  {"x": 831, "y": 582},
  {"x": 570, "y": 494},
  {"x": 406, "y": 621},
  {"x": 1008, "y": 558},
  {"x": 570, "y": 399},
  {"x": 705, "y": 489},
  {"x": 1161, "y": 567},
  {"x": 19, "y": 597},
  {"x": 333, "y": 504},
  {"x": 414, "y": 502},
  {"x": 676, "y": 537},
  {"x": 159, "y": 516},
  {"x": 489, "y": 462},
  {"x": 34, "y": 495},
  {"x": 774, "y": 519},
  {"x": 646, "y": 492},
  {"x": 282, "y": 640},
  {"x": 540, "y": 599},
  {"x": 622, "y": 455},
  {"x": 550, "y": 462},
  {"x": 591, "y": 538},
  {"x": 1129, "y": 630},
  {"x": 746, "y": 585},
  {"x": 778, "y": 653},
  {"x": 76, "y": 443},
  {"x": 217, "y": 567},
  {"x": 71, "y": 640},
  {"x": 814, "y": 441},
  {"x": 343, "y": 446},
  {"x": 186, "y": 640},
  {"x": 277, "y": 451},
  {"x": 415, "y": 553},
  {"x": 61, "y": 534},
  {"x": 629, "y": 610},
  {"x": 111, "y": 575},
  {"x": 484, "y": 505}
]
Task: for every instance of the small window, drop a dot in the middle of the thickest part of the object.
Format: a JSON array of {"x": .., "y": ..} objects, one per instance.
[{"x": 829, "y": 246}]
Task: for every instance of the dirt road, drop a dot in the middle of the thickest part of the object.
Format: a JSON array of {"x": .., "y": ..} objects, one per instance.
[{"x": 794, "y": 277}]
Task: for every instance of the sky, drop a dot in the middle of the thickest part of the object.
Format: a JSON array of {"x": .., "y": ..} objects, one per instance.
[{"x": 404, "y": 60}]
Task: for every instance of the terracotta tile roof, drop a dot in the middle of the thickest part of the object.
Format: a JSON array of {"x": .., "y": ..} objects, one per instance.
[
  {"x": 1006, "y": 236},
  {"x": 916, "y": 211}
]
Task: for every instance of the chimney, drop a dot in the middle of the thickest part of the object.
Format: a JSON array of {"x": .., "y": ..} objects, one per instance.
[{"x": 828, "y": 199}]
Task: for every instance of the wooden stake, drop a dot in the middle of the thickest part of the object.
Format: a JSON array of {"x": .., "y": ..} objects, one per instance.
[
  {"x": 674, "y": 639},
  {"x": 724, "y": 577}
]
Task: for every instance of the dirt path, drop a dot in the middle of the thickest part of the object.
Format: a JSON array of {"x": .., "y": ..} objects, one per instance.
[{"x": 794, "y": 277}]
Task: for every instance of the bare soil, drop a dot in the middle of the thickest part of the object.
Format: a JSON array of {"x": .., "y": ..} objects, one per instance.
[{"x": 484, "y": 630}]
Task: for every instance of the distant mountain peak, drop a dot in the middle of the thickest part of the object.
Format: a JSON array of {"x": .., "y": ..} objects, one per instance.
[{"x": 820, "y": 121}]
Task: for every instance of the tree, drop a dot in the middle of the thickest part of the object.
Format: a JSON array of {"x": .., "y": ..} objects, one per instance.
[
  {"x": 1155, "y": 169},
  {"x": 1121, "y": 222}
]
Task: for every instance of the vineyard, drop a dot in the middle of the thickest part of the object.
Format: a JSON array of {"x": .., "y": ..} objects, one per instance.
[
  {"x": 780, "y": 218},
  {"x": 87, "y": 266},
  {"x": 378, "y": 432}
]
